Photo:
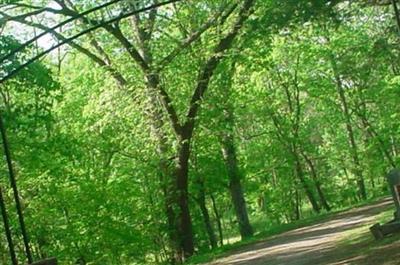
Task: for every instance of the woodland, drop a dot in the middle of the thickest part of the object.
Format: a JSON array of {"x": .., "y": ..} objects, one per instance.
[{"x": 192, "y": 124}]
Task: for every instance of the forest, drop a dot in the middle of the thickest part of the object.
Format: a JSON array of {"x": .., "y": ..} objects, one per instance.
[{"x": 177, "y": 127}]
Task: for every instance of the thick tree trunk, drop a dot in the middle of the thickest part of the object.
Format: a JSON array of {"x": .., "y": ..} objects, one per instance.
[
  {"x": 175, "y": 254},
  {"x": 185, "y": 231},
  {"x": 183, "y": 131},
  {"x": 235, "y": 185},
  {"x": 175, "y": 186},
  {"x": 166, "y": 176},
  {"x": 229, "y": 155}
]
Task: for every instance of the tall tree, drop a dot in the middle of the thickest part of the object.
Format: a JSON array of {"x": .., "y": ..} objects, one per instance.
[
  {"x": 229, "y": 153},
  {"x": 161, "y": 108}
]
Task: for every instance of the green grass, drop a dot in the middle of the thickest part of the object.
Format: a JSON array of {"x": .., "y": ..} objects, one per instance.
[
  {"x": 362, "y": 237},
  {"x": 273, "y": 230}
]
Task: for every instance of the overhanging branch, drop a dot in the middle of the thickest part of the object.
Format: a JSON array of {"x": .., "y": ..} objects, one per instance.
[
  {"x": 80, "y": 15},
  {"x": 67, "y": 40},
  {"x": 196, "y": 35}
]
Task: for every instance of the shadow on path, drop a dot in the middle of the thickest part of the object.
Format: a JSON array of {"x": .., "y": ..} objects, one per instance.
[{"x": 315, "y": 244}]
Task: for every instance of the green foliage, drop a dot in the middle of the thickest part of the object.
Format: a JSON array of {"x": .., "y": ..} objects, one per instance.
[{"x": 94, "y": 177}]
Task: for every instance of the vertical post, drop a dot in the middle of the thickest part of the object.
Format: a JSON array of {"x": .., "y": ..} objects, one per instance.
[
  {"x": 15, "y": 189},
  {"x": 393, "y": 179},
  {"x": 7, "y": 229},
  {"x": 397, "y": 14}
]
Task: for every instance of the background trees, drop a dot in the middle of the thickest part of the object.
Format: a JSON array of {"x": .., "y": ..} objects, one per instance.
[{"x": 182, "y": 128}]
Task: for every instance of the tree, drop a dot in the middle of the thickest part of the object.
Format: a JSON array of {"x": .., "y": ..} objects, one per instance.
[{"x": 151, "y": 70}]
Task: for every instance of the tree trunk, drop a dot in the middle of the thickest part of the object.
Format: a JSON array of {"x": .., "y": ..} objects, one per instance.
[
  {"x": 317, "y": 183},
  {"x": 167, "y": 188},
  {"x": 184, "y": 131},
  {"x": 229, "y": 154},
  {"x": 307, "y": 189},
  {"x": 185, "y": 231},
  {"x": 396, "y": 14},
  {"x": 350, "y": 133},
  {"x": 297, "y": 204},
  {"x": 201, "y": 200},
  {"x": 166, "y": 176},
  {"x": 361, "y": 110},
  {"x": 175, "y": 186},
  {"x": 373, "y": 134},
  {"x": 235, "y": 185},
  {"x": 218, "y": 218}
]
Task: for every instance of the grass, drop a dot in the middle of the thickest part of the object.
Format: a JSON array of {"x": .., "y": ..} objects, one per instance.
[
  {"x": 268, "y": 232},
  {"x": 360, "y": 243}
]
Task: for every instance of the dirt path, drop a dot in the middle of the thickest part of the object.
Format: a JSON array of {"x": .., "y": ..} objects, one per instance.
[{"x": 318, "y": 244}]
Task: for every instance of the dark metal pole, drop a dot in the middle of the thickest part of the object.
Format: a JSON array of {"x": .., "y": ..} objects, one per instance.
[
  {"x": 15, "y": 190},
  {"x": 7, "y": 229}
]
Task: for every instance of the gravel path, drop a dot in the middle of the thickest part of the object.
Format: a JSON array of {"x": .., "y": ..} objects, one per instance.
[{"x": 311, "y": 245}]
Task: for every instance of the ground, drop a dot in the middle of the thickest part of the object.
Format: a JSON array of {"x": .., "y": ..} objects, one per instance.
[{"x": 341, "y": 239}]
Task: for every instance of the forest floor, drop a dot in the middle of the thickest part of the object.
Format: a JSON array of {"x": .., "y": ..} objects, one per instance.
[{"x": 343, "y": 238}]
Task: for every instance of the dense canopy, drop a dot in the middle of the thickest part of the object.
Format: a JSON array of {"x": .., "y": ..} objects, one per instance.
[{"x": 173, "y": 128}]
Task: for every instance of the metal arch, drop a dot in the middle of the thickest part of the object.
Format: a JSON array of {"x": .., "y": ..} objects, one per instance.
[
  {"x": 16, "y": 71},
  {"x": 4, "y": 215},
  {"x": 84, "y": 32},
  {"x": 80, "y": 15}
]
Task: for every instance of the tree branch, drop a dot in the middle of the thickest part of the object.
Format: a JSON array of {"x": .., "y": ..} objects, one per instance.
[
  {"x": 80, "y": 34},
  {"x": 114, "y": 73},
  {"x": 154, "y": 80},
  {"x": 130, "y": 48},
  {"x": 92, "y": 39},
  {"x": 212, "y": 63},
  {"x": 195, "y": 35},
  {"x": 117, "y": 33},
  {"x": 113, "y": 30}
]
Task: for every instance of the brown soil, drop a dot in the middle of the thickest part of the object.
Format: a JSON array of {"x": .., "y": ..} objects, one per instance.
[{"x": 322, "y": 243}]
